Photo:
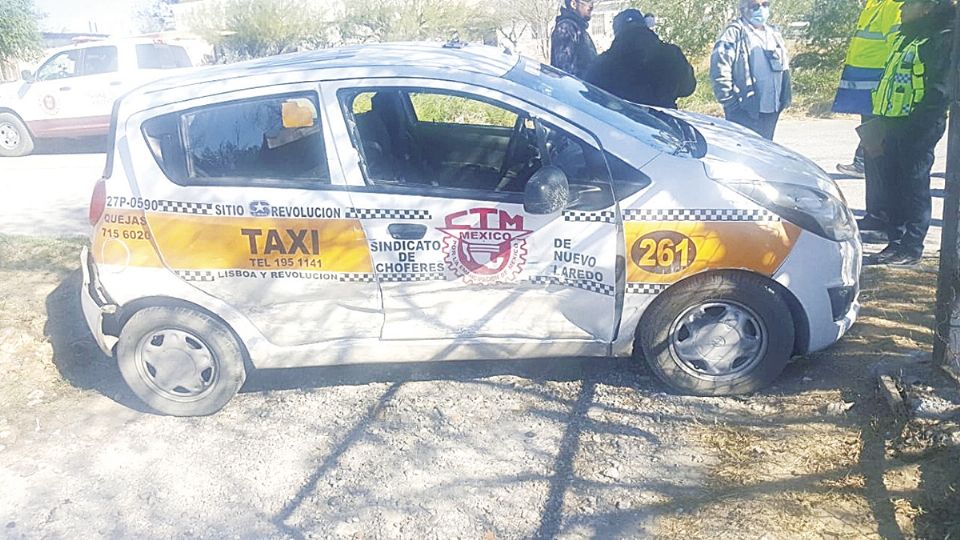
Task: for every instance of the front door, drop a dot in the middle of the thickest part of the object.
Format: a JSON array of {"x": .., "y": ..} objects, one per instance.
[{"x": 440, "y": 177}]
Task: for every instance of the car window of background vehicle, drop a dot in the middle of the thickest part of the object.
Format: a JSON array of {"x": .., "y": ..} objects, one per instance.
[
  {"x": 61, "y": 66},
  {"x": 97, "y": 60}
]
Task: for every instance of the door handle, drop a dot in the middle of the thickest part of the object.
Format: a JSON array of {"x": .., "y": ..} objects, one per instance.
[
  {"x": 64, "y": 88},
  {"x": 116, "y": 83},
  {"x": 406, "y": 231}
]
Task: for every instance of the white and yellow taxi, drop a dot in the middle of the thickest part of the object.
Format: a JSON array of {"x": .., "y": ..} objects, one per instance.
[
  {"x": 73, "y": 89},
  {"x": 412, "y": 202}
]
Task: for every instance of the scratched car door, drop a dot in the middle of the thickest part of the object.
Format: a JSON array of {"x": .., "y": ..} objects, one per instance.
[
  {"x": 456, "y": 253},
  {"x": 244, "y": 206}
]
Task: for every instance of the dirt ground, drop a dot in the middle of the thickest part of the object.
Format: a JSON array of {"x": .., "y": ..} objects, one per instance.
[{"x": 580, "y": 448}]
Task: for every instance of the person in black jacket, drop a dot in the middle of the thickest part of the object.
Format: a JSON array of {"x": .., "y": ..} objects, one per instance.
[
  {"x": 911, "y": 109},
  {"x": 571, "y": 47},
  {"x": 640, "y": 67}
]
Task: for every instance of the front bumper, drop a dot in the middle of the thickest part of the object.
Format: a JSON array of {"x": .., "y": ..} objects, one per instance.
[
  {"x": 816, "y": 267},
  {"x": 96, "y": 304}
]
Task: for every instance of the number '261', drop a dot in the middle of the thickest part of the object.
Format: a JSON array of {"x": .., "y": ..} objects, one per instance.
[{"x": 663, "y": 252}]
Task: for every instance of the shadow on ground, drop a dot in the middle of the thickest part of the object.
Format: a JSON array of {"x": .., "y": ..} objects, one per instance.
[
  {"x": 894, "y": 331},
  {"x": 86, "y": 145}
]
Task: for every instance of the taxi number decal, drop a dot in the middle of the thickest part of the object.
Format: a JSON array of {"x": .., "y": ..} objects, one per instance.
[{"x": 664, "y": 252}]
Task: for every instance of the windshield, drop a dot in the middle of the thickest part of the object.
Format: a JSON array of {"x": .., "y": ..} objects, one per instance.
[{"x": 641, "y": 122}]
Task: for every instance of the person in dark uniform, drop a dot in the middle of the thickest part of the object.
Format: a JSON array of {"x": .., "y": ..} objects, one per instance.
[
  {"x": 911, "y": 106},
  {"x": 571, "y": 48},
  {"x": 640, "y": 67}
]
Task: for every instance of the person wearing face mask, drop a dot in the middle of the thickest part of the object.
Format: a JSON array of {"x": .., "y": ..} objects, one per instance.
[
  {"x": 571, "y": 47},
  {"x": 650, "y": 19},
  {"x": 750, "y": 70},
  {"x": 910, "y": 104}
]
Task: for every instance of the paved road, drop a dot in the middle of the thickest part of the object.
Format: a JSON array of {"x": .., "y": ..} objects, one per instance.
[{"x": 48, "y": 194}]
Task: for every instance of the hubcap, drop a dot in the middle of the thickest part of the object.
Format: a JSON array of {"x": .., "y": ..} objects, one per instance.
[
  {"x": 9, "y": 136},
  {"x": 177, "y": 364},
  {"x": 718, "y": 339}
]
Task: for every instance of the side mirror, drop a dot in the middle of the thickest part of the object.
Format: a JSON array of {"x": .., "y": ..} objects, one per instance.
[
  {"x": 27, "y": 75},
  {"x": 546, "y": 192}
]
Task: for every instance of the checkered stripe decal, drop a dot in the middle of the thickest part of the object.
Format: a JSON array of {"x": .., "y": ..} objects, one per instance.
[
  {"x": 350, "y": 277},
  {"x": 700, "y": 214},
  {"x": 646, "y": 288},
  {"x": 584, "y": 284},
  {"x": 402, "y": 277},
  {"x": 603, "y": 216},
  {"x": 196, "y": 275},
  {"x": 180, "y": 207},
  {"x": 382, "y": 213}
]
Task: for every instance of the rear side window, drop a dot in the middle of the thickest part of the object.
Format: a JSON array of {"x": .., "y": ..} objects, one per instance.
[
  {"x": 161, "y": 56},
  {"x": 263, "y": 141},
  {"x": 97, "y": 60}
]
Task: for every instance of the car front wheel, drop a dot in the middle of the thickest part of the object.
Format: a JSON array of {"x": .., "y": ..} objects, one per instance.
[
  {"x": 180, "y": 361},
  {"x": 15, "y": 139},
  {"x": 718, "y": 334}
]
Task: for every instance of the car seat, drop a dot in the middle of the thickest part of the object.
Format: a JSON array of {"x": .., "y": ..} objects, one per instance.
[{"x": 407, "y": 151}]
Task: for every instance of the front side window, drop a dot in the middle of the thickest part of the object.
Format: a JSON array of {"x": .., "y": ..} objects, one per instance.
[
  {"x": 60, "y": 66},
  {"x": 416, "y": 137},
  {"x": 249, "y": 142},
  {"x": 437, "y": 142},
  {"x": 97, "y": 60},
  {"x": 452, "y": 109}
]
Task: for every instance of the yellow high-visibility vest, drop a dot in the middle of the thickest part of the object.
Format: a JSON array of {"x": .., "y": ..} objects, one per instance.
[
  {"x": 877, "y": 28},
  {"x": 902, "y": 85}
]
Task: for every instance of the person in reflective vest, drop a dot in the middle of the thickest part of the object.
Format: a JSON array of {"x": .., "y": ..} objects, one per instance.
[
  {"x": 910, "y": 104},
  {"x": 877, "y": 29}
]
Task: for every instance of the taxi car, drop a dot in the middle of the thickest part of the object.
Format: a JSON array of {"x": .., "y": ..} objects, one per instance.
[
  {"x": 412, "y": 202},
  {"x": 73, "y": 90}
]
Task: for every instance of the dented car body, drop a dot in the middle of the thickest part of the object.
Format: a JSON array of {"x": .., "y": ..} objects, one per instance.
[{"x": 412, "y": 202}]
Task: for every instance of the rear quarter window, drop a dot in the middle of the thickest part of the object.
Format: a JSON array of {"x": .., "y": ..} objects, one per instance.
[
  {"x": 161, "y": 56},
  {"x": 264, "y": 141}
]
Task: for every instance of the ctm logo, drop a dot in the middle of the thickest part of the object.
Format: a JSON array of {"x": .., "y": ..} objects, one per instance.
[{"x": 485, "y": 245}]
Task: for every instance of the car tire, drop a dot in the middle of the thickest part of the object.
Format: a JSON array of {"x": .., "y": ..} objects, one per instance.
[
  {"x": 15, "y": 139},
  {"x": 180, "y": 361},
  {"x": 718, "y": 334}
]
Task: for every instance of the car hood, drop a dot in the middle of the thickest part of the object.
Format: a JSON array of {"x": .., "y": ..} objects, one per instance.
[{"x": 738, "y": 151}]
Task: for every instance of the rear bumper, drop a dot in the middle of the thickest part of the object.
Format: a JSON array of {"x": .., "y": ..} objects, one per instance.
[{"x": 95, "y": 303}]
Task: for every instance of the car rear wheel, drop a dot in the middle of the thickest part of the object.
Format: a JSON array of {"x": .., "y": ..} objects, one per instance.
[
  {"x": 15, "y": 139},
  {"x": 718, "y": 334},
  {"x": 180, "y": 361}
]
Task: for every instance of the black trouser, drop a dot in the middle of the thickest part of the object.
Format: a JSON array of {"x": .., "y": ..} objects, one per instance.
[
  {"x": 878, "y": 201},
  {"x": 858, "y": 155},
  {"x": 875, "y": 198},
  {"x": 905, "y": 175},
  {"x": 765, "y": 125}
]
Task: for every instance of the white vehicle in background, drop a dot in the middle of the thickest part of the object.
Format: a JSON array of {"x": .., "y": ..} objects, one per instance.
[{"x": 72, "y": 92}]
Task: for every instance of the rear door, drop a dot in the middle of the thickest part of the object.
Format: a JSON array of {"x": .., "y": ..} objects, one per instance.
[
  {"x": 439, "y": 171},
  {"x": 243, "y": 205}
]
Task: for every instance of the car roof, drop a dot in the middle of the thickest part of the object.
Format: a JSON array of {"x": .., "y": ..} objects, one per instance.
[
  {"x": 109, "y": 42},
  {"x": 478, "y": 59}
]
